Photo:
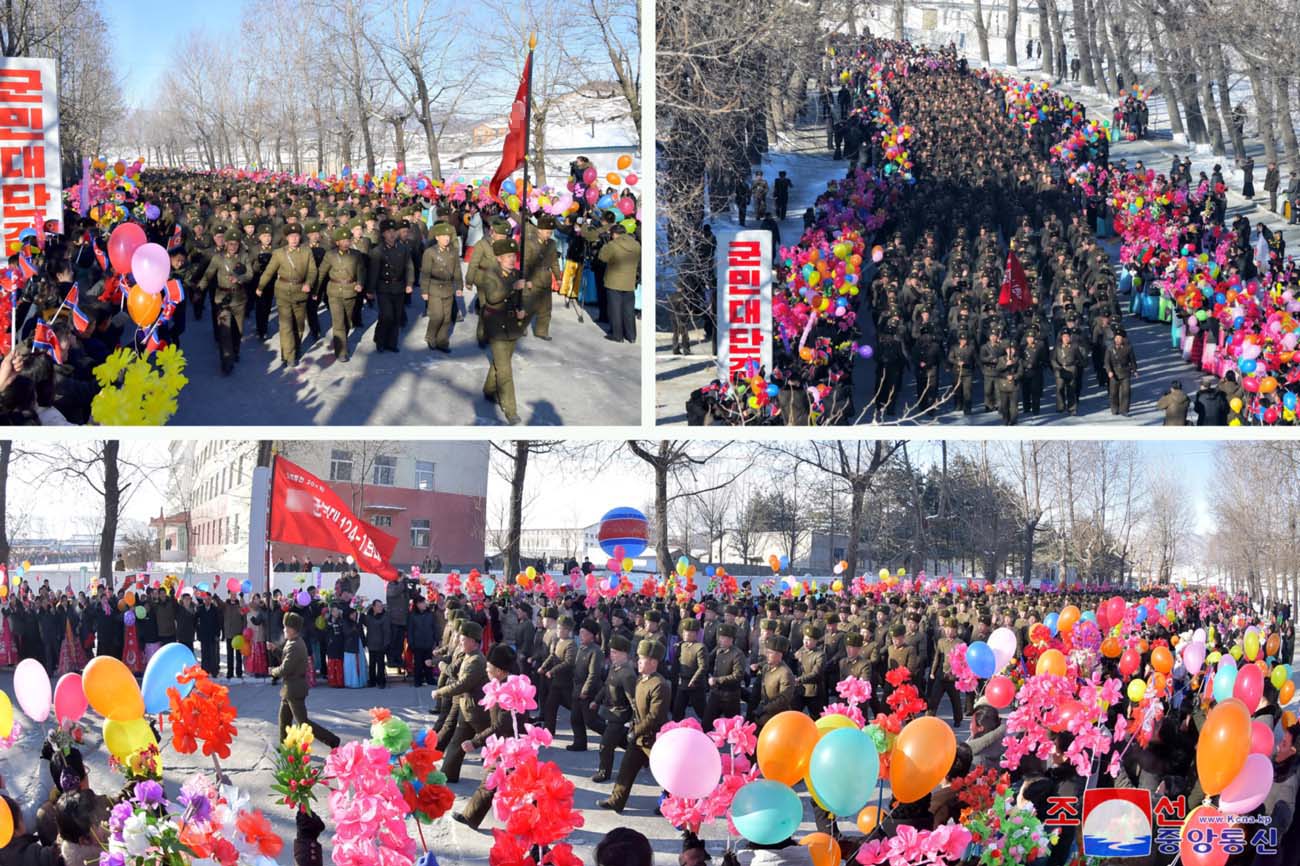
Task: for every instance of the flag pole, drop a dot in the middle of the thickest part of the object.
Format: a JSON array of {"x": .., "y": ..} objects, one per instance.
[{"x": 528, "y": 122}]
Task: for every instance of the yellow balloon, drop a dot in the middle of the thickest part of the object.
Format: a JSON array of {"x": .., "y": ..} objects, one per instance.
[
  {"x": 1277, "y": 679},
  {"x": 1136, "y": 689},
  {"x": 833, "y": 722},
  {"x": 1236, "y": 652},
  {"x": 1252, "y": 645},
  {"x": 1213, "y": 658},
  {"x": 6, "y": 715},
  {"x": 627, "y": 563},
  {"x": 123, "y": 739},
  {"x": 837, "y": 586},
  {"x": 884, "y": 574}
]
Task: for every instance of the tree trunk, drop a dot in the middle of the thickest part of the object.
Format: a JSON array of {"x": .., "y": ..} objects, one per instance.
[
  {"x": 1082, "y": 43},
  {"x": 1013, "y": 19},
  {"x": 517, "y": 478},
  {"x": 662, "y": 556},
  {"x": 537, "y": 165},
  {"x": 112, "y": 507},
  {"x": 426, "y": 119},
  {"x": 1098, "y": 75},
  {"x": 1045, "y": 39},
  {"x": 1211, "y": 116},
  {"x": 900, "y": 18},
  {"x": 1283, "y": 115},
  {"x": 1058, "y": 38},
  {"x": 1166, "y": 80},
  {"x": 857, "y": 502},
  {"x": 6, "y": 451},
  {"x": 1264, "y": 112},
  {"x": 1191, "y": 102},
  {"x": 982, "y": 31},
  {"x": 1225, "y": 100},
  {"x": 1027, "y": 553},
  {"x": 399, "y": 140}
]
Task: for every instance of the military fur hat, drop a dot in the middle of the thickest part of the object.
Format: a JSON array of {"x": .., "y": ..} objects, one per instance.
[
  {"x": 853, "y": 638},
  {"x": 732, "y": 609},
  {"x": 565, "y": 621},
  {"x": 504, "y": 247},
  {"x": 651, "y": 649},
  {"x": 292, "y": 229},
  {"x": 654, "y": 616},
  {"x": 388, "y": 225},
  {"x": 591, "y": 625},
  {"x": 898, "y": 631},
  {"x": 690, "y": 625},
  {"x": 501, "y": 656},
  {"x": 545, "y": 221},
  {"x": 813, "y": 631},
  {"x": 313, "y": 227},
  {"x": 471, "y": 629},
  {"x": 263, "y": 229},
  {"x": 833, "y": 619},
  {"x": 768, "y": 624},
  {"x": 441, "y": 229},
  {"x": 341, "y": 234},
  {"x": 620, "y": 642},
  {"x": 500, "y": 226},
  {"x": 727, "y": 629},
  {"x": 776, "y": 644},
  {"x": 552, "y": 612}
]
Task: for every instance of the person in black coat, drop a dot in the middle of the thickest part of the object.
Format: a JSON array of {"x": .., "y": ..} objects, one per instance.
[
  {"x": 208, "y": 627},
  {"x": 421, "y": 636},
  {"x": 50, "y": 622},
  {"x": 1211, "y": 405}
]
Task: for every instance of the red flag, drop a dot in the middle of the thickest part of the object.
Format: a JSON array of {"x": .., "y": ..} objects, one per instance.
[
  {"x": 1015, "y": 286},
  {"x": 304, "y": 510},
  {"x": 515, "y": 149}
]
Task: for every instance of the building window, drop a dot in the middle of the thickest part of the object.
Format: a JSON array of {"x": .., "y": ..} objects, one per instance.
[
  {"x": 385, "y": 474},
  {"x": 340, "y": 465},
  {"x": 385, "y": 520},
  {"x": 424, "y": 475},
  {"x": 419, "y": 533}
]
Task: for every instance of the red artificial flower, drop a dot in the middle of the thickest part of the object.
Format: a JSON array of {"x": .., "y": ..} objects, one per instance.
[
  {"x": 432, "y": 801},
  {"x": 380, "y": 715},
  {"x": 898, "y": 676},
  {"x": 423, "y": 761},
  {"x": 204, "y": 715},
  {"x": 508, "y": 851},
  {"x": 257, "y": 830},
  {"x": 561, "y": 855},
  {"x": 225, "y": 852}
]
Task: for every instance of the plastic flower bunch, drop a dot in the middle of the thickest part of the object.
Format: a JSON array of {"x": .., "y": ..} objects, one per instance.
[
  {"x": 414, "y": 760},
  {"x": 535, "y": 803},
  {"x": 854, "y": 690},
  {"x": 295, "y": 775},
  {"x": 204, "y": 716},
  {"x": 944, "y": 844},
  {"x": 515, "y": 695},
  {"x": 1044, "y": 705},
  {"x": 137, "y": 389},
  {"x": 218, "y": 827},
  {"x": 1008, "y": 834},
  {"x": 977, "y": 789},
  {"x": 143, "y": 832},
  {"x": 368, "y": 810},
  {"x": 965, "y": 677}
]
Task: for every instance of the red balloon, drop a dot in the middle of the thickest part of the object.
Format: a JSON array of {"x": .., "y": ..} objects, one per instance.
[
  {"x": 1261, "y": 738},
  {"x": 1069, "y": 710},
  {"x": 1116, "y": 611},
  {"x": 1249, "y": 687},
  {"x": 1202, "y": 824},
  {"x": 1129, "y": 662},
  {"x": 122, "y": 244},
  {"x": 1000, "y": 692}
]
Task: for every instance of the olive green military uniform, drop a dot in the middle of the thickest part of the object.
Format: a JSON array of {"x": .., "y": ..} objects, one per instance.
[
  {"x": 650, "y": 712},
  {"x": 727, "y": 673},
  {"x": 780, "y": 688},
  {"x": 228, "y": 276},
  {"x": 587, "y": 665},
  {"x": 466, "y": 689},
  {"x": 614, "y": 706},
  {"x": 812, "y": 673},
  {"x": 498, "y": 306},
  {"x": 559, "y": 666},
  {"x": 481, "y": 262},
  {"x": 542, "y": 266},
  {"x": 622, "y": 258},
  {"x": 942, "y": 681},
  {"x": 692, "y": 675},
  {"x": 292, "y": 270},
  {"x": 342, "y": 278},
  {"x": 440, "y": 283}
]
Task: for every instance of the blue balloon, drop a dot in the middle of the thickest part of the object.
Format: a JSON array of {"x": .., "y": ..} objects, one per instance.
[
  {"x": 613, "y": 581},
  {"x": 979, "y": 656},
  {"x": 1051, "y": 622},
  {"x": 710, "y": 571},
  {"x": 843, "y": 770},
  {"x": 605, "y": 202},
  {"x": 1090, "y": 616},
  {"x": 766, "y": 812},
  {"x": 489, "y": 586},
  {"x": 508, "y": 186},
  {"x": 1289, "y": 400},
  {"x": 784, "y": 562},
  {"x": 1247, "y": 365},
  {"x": 247, "y": 585},
  {"x": 1162, "y": 604},
  {"x": 1225, "y": 678},
  {"x": 347, "y": 170},
  {"x": 160, "y": 675},
  {"x": 203, "y": 587},
  {"x": 1141, "y": 614}
]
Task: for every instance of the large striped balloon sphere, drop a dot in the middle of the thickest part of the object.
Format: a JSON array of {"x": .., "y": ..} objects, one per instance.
[{"x": 624, "y": 526}]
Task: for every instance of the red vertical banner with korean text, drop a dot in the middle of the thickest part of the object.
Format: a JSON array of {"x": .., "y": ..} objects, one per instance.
[
  {"x": 31, "y": 184},
  {"x": 744, "y": 302},
  {"x": 304, "y": 510}
]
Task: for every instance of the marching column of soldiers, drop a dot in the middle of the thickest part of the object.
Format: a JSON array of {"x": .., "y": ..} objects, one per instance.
[
  {"x": 622, "y": 670},
  {"x": 251, "y": 249}
]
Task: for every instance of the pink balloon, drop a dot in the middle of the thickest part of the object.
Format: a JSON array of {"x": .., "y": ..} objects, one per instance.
[
  {"x": 1251, "y": 786},
  {"x": 626, "y": 206},
  {"x": 32, "y": 689},
  {"x": 593, "y": 194},
  {"x": 1249, "y": 687},
  {"x": 1261, "y": 738},
  {"x": 123, "y": 243},
  {"x": 69, "y": 698},
  {"x": 631, "y": 180},
  {"x": 232, "y": 584},
  {"x": 151, "y": 266},
  {"x": 686, "y": 763},
  {"x": 1194, "y": 657},
  {"x": 589, "y": 176}
]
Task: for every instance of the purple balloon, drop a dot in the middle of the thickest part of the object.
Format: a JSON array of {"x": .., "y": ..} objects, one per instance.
[
  {"x": 129, "y": 617},
  {"x": 151, "y": 212},
  {"x": 304, "y": 597},
  {"x": 866, "y": 351},
  {"x": 151, "y": 266}
]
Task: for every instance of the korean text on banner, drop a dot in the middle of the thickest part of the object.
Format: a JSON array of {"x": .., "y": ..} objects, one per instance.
[{"x": 744, "y": 303}]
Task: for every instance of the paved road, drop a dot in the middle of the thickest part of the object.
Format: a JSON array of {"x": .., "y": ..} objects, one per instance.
[{"x": 579, "y": 378}]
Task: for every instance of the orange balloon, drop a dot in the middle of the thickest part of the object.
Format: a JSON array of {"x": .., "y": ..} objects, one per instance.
[
  {"x": 1288, "y": 717},
  {"x": 1052, "y": 661},
  {"x": 1069, "y": 616},
  {"x": 824, "y": 849},
  {"x": 112, "y": 690},
  {"x": 129, "y": 598},
  {"x": 1158, "y": 681},
  {"x": 1273, "y": 644},
  {"x": 785, "y": 746},
  {"x": 1162, "y": 660},
  {"x": 923, "y": 754},
  {"x": 143, "y": 307},
  {"x": 868, "y": 818},
  {"x": 613, "y": 178},
  {"x": 1286, "y": 693},
  {"x": 624, "y": 162},
  {"x": 6, "y": 824},
  {"x": 1111, "y": 648},
  {"x": 1223, "y": 745}
]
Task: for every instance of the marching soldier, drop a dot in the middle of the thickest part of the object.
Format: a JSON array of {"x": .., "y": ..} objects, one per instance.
[
  {"x": 758, "y": 660},
  {"x": 1067, "y": 364},
  {"x": 726, "y": 676},
  {"x": 440, "y": 285},
  {"x": 942, "y": 681},
  {"x": 260, "y": 257},
  {"x": 614, "y": 703},
  {"x": 542, "y": 646},
  {"x": 586, "y": 683},
  {"x": 342, "y": 275},
  {"x": 854, "y": 663},
  {"x": 731, "y": 615},
  {"x": 812, "y": 670},
  {"x": 501, "y": 723},
  {"x": 294, "y": 271},
  {"x": 650, "y": 710},
  {"x": 901, "y": 653},
  {"x": 558, "y": 670},
  {"x": 1121, "y": 369},
  {"x": 229, "y": 271},
  {"x": 480, "y": 264},
  {"x": 392, "y": 278},
  {"x": 692, "y": 671},
  {"x": 466, "y": 690},
  {"x": 779, "y": 686},
  {"x": 318, "y": 250},
  {"x": 542, "y": 265},
  {"x": 499, "y": 317},
  {"x": 961, "y": 360}
]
